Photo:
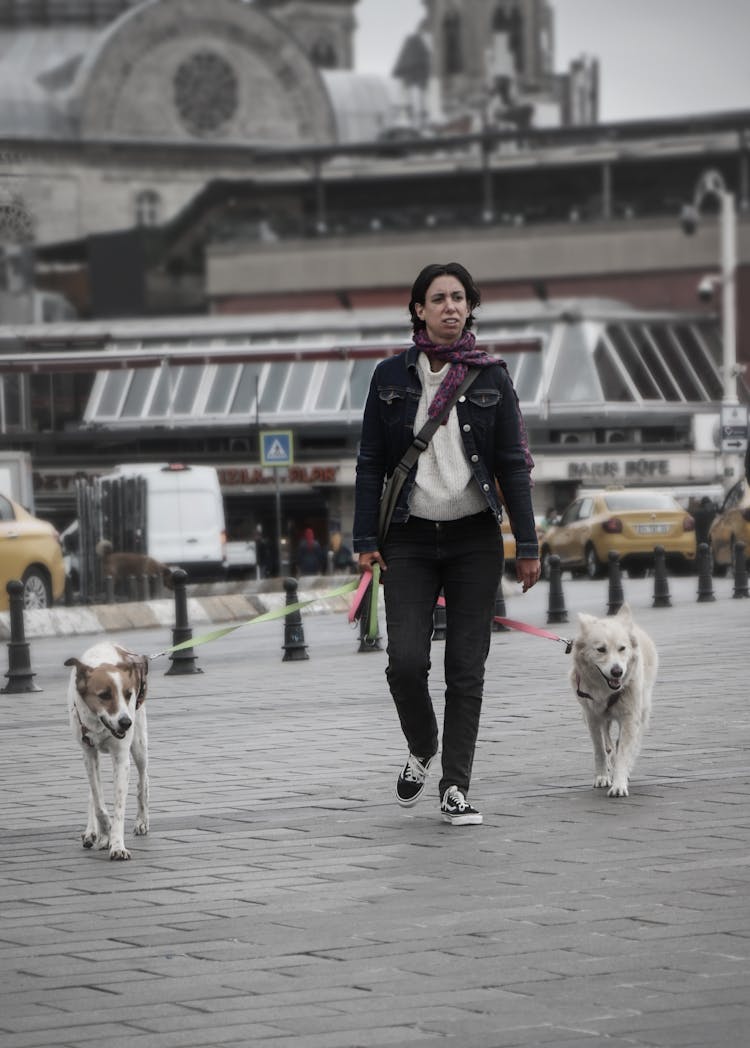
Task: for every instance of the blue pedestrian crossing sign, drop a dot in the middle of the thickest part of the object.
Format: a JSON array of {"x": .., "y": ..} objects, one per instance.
[{"x": 277, "y": 448}]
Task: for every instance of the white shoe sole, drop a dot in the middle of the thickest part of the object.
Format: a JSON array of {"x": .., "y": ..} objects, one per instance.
[{"x": 462, "y": 820}]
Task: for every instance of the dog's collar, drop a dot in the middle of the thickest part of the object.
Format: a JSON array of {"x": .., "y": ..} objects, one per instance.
[
  {"x": 613, "y": 698},
  {"x": 84, "y": 730}
]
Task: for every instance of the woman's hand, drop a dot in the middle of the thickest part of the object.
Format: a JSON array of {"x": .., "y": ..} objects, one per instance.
[
  {"x": 528, "y": 572},
  {"x": 365, "y": 561}
]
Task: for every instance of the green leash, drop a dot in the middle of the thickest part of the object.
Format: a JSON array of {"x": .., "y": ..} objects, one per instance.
[{"x": 268, "y": 616}]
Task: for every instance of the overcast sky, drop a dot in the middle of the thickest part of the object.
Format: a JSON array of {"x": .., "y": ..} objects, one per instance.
[{"x": 657, "y": 57}]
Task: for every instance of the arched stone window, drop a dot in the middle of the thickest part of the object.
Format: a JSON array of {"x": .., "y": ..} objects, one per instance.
[
  {"x": 452, "y": 50},
  {"x": 148, "y": 208}
]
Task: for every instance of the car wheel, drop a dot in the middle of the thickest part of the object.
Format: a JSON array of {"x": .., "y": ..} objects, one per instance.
[
  {"x": 594, "y": 568},
  {"x": 37, "y": 591}
]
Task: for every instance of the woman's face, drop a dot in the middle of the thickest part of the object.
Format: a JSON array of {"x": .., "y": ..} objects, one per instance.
[{"x": 445, "y": 310}]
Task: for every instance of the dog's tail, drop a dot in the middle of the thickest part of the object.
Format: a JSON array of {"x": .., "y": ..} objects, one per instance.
[{"x": 103, "y": 548}]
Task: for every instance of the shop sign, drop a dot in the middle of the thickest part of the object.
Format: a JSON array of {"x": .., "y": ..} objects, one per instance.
[
  {"x": 613, "y": 470},
  {"x": 255, "y": 476}
]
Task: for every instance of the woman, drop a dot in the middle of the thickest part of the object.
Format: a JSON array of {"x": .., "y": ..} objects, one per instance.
[{"x": 445, "y": 530}]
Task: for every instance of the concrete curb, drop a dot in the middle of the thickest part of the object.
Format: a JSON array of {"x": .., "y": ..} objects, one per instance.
[{"x": 203, "y": 610}]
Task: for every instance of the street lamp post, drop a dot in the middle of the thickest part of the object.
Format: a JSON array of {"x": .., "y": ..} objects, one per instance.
[{"x": 711, "y": 184}]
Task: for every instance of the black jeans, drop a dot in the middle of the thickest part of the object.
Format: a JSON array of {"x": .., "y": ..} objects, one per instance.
[{"x": 463, "y": 558}]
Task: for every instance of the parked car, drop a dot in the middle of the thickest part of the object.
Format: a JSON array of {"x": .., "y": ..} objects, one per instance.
[
  {"x": 30, "y": 552},
  {"x": 730, "y": 525},
  {"x": 630, "y": 521}
]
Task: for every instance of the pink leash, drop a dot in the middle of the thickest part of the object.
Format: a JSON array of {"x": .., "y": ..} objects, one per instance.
[{"x": 524, "y": 627}]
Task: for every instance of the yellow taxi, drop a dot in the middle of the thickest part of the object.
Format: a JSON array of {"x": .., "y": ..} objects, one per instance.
[
  {"x": 730, "y": 525},
  {"x": 30, "y": 552},
  {"x": 629, "y": 521}
]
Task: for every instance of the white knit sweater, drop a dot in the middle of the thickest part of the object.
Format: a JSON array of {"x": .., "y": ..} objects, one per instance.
[{"x": 445, "y": 487}]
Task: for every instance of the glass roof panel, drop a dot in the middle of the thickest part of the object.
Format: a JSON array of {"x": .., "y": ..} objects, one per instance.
[
  {"x": 359, "y": 383},
  {"x": 614, "y": 384},
  {"x": 298, "y": 385},
  {"x": 633, "y": 362},
  {"x": 138, "y": 393},
  {"x": 163, "y": 393},
  {"x": 110, "y": 398},
  {"x": 574, "y": 378},
  {"x": 274, "y": 387},
  {"x": 243, "y": 402},
  {"x": 675, "y": 359},
  {"x": 699, "y": 355},
  {"x": 332, "y": 386},
  {"x": 224, "y": 381},
  {"x": 188, "y": 384}
]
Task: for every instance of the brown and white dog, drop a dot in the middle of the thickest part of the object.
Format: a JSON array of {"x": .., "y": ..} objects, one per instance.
[
  {"x": 106, "y": 697},
  {"x": 121, "y": 566}
]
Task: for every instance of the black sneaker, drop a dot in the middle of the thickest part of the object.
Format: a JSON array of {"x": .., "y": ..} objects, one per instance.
[
  {"x": 456, "y": 809},
  {"x": 411, "y": 781}
]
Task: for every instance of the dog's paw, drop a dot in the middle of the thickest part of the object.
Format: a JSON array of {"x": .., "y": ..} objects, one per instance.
[
  {"x": 119, "y": 854},
  {"x": 141, "y": 827},
  {"x": 618, "y": 790},
  {"x": 601, "y": 782},
  {"x": 88, "y": 839}
]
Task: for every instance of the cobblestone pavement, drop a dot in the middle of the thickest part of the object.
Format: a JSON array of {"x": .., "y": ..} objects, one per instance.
[{"x": 283, "y": 900}]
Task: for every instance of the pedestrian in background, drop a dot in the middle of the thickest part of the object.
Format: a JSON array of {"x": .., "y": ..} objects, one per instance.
[
  {"x": 340, "y": 556},
  {"x": 445, "y": 530},
  {"x": 311, "y": 559}
]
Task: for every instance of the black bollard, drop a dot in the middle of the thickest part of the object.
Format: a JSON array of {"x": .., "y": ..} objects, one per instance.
[
  {"x": 132, "y": 588},
  {"x": 68, "y": 595},
  {"x": 616, "y": 596},
  {"x": 500, "y": 612},
  {"x": 294, "y": 634},
  {"x": 183, "y": 661},
  {"x": 705, "y": 584},
  {"x": 109, "y": 590},
  {"x": 439, "y": 622},
  {"x": 556, "y": 607},
  {"x": 19, "y": 663},
  {"x": 740, "y": 571},
  {"x": 661, "y": 585},
  {"x": 143, "y": 591}
]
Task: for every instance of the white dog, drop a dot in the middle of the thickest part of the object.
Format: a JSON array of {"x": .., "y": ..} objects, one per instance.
[
  {"x": 105, "y": 698},
  {"x": 613, "y": 675}
]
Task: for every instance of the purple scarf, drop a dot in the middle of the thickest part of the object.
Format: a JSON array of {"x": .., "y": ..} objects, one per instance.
[{"x": 463, "y": 354}]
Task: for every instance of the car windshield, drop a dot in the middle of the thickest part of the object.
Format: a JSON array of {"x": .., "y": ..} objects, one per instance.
[{"x": 619, "y": 501}]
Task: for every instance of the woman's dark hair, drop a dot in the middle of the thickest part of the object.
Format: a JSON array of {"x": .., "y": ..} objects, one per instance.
[{"x": 426, "y": 277}]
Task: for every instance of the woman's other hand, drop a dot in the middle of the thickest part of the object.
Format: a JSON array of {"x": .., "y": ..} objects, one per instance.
[
  {"x": 528, "y": 572},
  {"x": 365, "y": 561}
]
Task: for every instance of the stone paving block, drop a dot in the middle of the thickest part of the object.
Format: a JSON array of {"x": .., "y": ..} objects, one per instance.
[{"x": 280, "y": 877}]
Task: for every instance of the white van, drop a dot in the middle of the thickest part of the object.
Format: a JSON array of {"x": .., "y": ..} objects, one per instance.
[{"x": 185, "y": 524}]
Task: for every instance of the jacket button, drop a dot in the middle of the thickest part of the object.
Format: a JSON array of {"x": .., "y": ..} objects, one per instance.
[
  {"x": 485, "y": 487},
  {"x": 462, "y": 399},
  {"x": 475, "y": 458},
  {"x": 467, "y": 427}
]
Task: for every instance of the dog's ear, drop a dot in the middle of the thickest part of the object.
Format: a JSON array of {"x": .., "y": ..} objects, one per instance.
[
  {"x": 625, "y": 612},
  {"x": 586, "y": 620},
  {"x": 80, "y": 666}
]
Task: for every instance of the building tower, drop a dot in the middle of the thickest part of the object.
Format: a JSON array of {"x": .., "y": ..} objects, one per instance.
[{"x": 324, "y": 28}]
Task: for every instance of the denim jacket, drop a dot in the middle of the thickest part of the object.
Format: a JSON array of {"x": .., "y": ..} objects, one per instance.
[{"x": 490, "y": 425}]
